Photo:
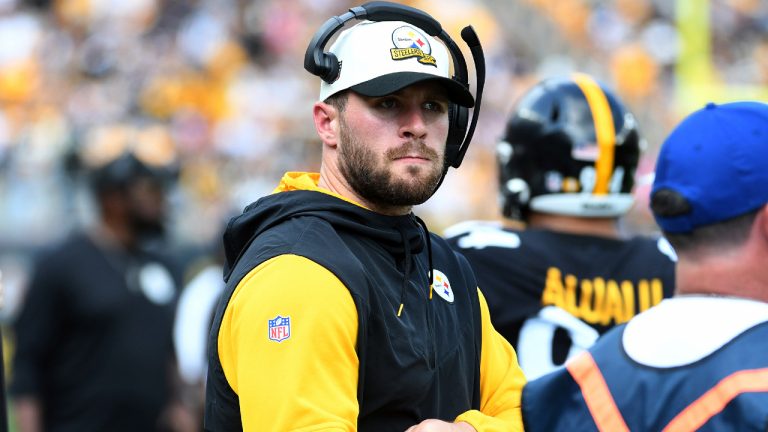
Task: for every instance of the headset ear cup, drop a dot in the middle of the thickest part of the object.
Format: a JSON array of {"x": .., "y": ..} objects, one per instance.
[
  {"x": 329, "y": 67},
  {"x": 458, "y": 117}
]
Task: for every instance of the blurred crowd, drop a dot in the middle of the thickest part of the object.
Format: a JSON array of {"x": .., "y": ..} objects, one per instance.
[{"x": 216, "y": 89}]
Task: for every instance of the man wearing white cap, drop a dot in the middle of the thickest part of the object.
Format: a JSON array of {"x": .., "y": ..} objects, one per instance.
[
  {"x": 342, "y": 312},
  {"x": 697, "y": 361}
]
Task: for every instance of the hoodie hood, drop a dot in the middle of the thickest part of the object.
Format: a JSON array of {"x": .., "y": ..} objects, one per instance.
[{"x": 298, "y": 196}]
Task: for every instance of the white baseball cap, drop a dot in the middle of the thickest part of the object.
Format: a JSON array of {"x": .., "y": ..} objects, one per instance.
[{"x": 379, "y": 58}]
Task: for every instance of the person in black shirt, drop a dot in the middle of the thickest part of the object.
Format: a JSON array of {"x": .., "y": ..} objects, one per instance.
[
  {"x": 557, "y": 272},
  {"x": 93, "y": 339}
]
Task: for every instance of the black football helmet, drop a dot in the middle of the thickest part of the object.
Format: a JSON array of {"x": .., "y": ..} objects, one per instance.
[{"x": 570, "y": 147}]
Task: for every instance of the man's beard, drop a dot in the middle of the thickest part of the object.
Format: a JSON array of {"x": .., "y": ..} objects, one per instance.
[
  {"x": 376, "y": 184},
  {"x": 147, "y": 229}
]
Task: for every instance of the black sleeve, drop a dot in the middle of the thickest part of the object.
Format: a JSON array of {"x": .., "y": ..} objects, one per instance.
[
  {"x": 35, "y": 328},
  {"x": 3, "y": 400}
]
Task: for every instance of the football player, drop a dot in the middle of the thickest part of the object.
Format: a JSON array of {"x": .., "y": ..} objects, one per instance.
[{"x": 558, "y": 272}]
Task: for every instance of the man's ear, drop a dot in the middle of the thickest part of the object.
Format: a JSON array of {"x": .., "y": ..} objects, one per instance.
[
  {"x": 762, "y": 220},
  {"x": 326, "y": 122}
]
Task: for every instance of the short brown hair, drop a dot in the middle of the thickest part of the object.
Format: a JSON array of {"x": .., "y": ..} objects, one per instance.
[
  {"x": 338, "y": 100},
  {"x": 729, "y": 233}
]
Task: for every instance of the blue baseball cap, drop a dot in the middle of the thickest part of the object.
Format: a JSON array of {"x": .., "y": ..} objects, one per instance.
[{"x": 717, "y": 159}]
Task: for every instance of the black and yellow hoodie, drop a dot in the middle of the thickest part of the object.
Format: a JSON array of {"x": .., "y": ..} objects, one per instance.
[{"x": 328, "y": 322}]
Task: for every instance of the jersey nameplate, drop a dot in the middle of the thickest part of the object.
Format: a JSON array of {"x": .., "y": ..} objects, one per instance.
[{"x": 600, "y": 301}]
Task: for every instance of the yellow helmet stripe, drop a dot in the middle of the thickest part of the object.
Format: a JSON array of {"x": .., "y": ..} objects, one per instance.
[{"x": 606, "y": 134}]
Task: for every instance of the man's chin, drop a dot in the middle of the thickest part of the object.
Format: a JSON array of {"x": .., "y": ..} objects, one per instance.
[
  {"x": 150, "y": 231},
  {"x": 415, "y": 190},
  {"x": 418, "y": 172}
]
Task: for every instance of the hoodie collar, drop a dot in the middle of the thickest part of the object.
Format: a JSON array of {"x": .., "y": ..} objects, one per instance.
[
  {"x": 298, "y": 195},
  {"x": 295, "y": 180}
]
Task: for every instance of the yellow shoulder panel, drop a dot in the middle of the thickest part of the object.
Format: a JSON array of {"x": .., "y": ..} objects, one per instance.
[
  {"x": 501, "y": 382},
  {"x": 287, "y": 347}
]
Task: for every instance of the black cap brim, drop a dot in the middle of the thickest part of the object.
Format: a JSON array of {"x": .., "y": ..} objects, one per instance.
[{"x": 391, "y": 83}]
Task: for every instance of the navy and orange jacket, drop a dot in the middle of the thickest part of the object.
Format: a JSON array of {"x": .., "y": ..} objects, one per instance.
[
  {"x": 328, "y": 321},
  {"x": 691, "y": 363}
]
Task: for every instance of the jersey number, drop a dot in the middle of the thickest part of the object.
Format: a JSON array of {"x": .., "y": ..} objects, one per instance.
[{"x": 536, "y": 340}]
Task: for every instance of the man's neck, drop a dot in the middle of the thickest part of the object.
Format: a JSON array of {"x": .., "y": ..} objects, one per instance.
[
  {"x": 602, "y": 227},
  {"x": 729, "y": 272},
  {"x": 113, "y": 235}
]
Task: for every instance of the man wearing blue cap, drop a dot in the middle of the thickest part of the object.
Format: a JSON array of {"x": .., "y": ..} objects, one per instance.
[{"x": 698, "y": 361}]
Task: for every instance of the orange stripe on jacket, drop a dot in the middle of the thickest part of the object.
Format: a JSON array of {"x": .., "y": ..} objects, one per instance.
[
  {"x": 717, "y": 398},
  {"x": 596, "y": 394}
]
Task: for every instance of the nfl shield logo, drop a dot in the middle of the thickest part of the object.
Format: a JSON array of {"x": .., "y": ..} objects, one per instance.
[{"x": 279, "y": 328}]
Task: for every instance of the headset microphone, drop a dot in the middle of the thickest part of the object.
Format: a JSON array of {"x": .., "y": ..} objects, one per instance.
[{"x": 470, "y": 37}]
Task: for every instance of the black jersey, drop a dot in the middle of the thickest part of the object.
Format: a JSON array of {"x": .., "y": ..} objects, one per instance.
[
  {"x": 94, "y": 337},
  {"x": 552, "y": 294}
]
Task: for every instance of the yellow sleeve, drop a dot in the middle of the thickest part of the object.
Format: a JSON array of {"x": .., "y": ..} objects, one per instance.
[
  {"x": 501, "y": 382},
  {"x": 307, "y": 381}
]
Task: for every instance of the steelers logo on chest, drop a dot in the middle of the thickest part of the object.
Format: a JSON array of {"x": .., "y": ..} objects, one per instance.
[{"x": 442, "y": 286}]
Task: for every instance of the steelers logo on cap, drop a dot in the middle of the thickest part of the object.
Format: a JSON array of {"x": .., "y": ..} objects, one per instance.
[{"x": 411, "y": 43}]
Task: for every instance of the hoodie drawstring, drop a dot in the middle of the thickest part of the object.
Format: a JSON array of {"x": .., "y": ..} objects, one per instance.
[
  {"x": 429, "y": 253},
  {"x": 407, "y": 267},
  {"x": 406, "y": 270}
]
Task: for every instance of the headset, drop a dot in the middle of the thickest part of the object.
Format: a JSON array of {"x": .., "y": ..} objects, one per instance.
[{"x": 326, "y": 66}]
